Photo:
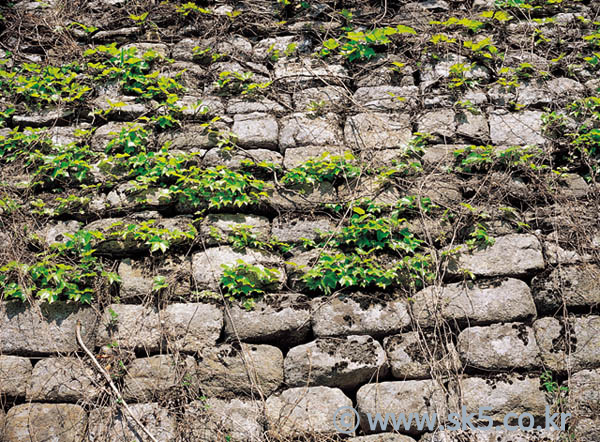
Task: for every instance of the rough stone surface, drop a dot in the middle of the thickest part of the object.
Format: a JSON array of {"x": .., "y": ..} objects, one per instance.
[
  {"x": 386, "y": 98},
  {"x": 496, "y": 434},
  {"x": 218, "y": 419},
  {"x": 510, "y": 255},
  {"x": 147, "y": 378},
  {"x": 506, "y": 394},
  {"x": 477, "y": 304},
  {"x": 15, "y": 374},
  {"x": 335, "y": 362},
  {"x": 113, "y": 425},
  {"x": 293, "y": 229},
  {"x": 378, "y": 131},
  {"x": 207, "y": 265},
  {"x": 282, "y": 319},
  {"x": 134, "y": 282},
  {"x": 45, "y": 422},
  {"x": 306, "y": 74},
  {"x": 383, "y": 437},
  {"x": 305, "y": 130},
  {"x": 516, "y": 129},
  {"x": 339, "y": 317},
  {"x": 584, "y": 393},
  {"x": 402, "y": 397},
  {"x": 320, "y": 99},
  {"x": 305, "y": 410},
  {"x": 587, "y": 430},
  {"x": 440, "y": 122},
  {"x": 191, "y": 327},
  {"x": 256, "y": 130},
  {"x": 226, "y": 370},
  {"x": 499, "y": 347},
  {"x": 64, "y": 379},
  {"x": 297, "y": 156},
  {"x": 133, "y": 327},
  {"x": 576, "y": 285},
  {"x": 225, "y": 224},
  {"x": 44, "y": 328}
]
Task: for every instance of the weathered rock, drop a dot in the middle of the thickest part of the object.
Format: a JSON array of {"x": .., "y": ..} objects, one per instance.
[
  {"x": 302, "y": 198},
  {"x": 227, "y": 370},
  {"x": 149, "y": 378},
  {"x": 440, "y": 189},
  {"x": 473, "y": 126},
  {"x": 386, "y": 98},
  {"x": 207, "y": 266},
  {"x": 335, "y": 362},
  {"x": 233, "y": 159},
  {"x": 307, "y": 74},
  {"x": 128, "y": 108},
  {"x": 412, "y": 356},
  {"x": 292, "y": 229},
  {"x": 218, "y": 419},
  {"x": 510, "y": 255},
  {"x": 15, "y": 374},
  {"x": 516, "y": 129},
  {"x": 499, "y": 347},
  {"x": 305, "y": 130},
  {"x": 131, "y": 327},
  {"x": 496, "y": 434},
  {"x": 432, "y": 72},
  {"x": 135, "y": 283},
  {"x": 64, "y": 379},
  {"x": 440, "y": 156},
  {"x": 45, "y": 422},
  {"x": 200, "y": 107},
  {"x": 584, "y": 393},
  {"x": 107, "y": 424},
  {"x": 50, "y": 117},
  {"x": 378, "y": 131},
  {"x": 58, "y": 232},
  {"x": 281, "y": 319},
  {"x": 321, "y": 99},
  {"x": 105, "y": 133},
  {"x": 382, "y": 437},
  {"x": 297, "y": 156},
  {"x": 586, "y": 430},
  {"x": 582, "y": 341},
  {"x": 402, "y": 397},
  {"x": 575, "y": 285},
  {"x": 260, "y": 104},
  {"x": 274, "y": 47},
  {"x": 467, "y": 303},
  {"x": 191, "y": 327},
  {"x": 191, "y": 138},
  {"x": 44, "y": 328},
  {"x": 440, "y": 122},
  {"x": 256, "y": 130},
  {"x": 300, "y": 410},
  {"x": 225, "y": 224},
  {"x": 505, "y": 394},
  {"x": 343, "y": 317}
]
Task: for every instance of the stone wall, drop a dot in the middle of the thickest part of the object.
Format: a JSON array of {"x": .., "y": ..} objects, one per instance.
[{"x": 505, "y": 325}]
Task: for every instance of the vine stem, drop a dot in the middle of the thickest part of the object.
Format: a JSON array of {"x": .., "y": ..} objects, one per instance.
[{"x": 110, "y": 382}]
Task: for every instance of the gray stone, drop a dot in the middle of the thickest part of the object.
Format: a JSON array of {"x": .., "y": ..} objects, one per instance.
[
  {"x": 225, "y": 224},
  {"x": 584, "y": 393},
  {"x": 149, "y": 378},
  {"x": 302, "y": 198},
  {"x": 192, "y": 138},
  {"x": 234, "y": 159},
  {"x": 256, "y": 130},
  {"x": 310, "y": 73},
  {"x": 378, "y": 131},
  {"x": 383, "y": 437},
  {"x": 217, "y": 419},
  {"x": 141, "y": 48},
  {"x": 249, "y": 370},
  {"x": 441, "y": 189},
  {"x": 497, "y": 434},
  {"x": 123, "y": 108},
  {"x": 500, "y": 301},
  {"x": 50, "y": 117},
  {"x": 63, "y": 379},
  {"x": 335, "y": 362},
  {"x": 506, "y": 394},
  {"x": 386, "y": 98},
  {"x": 305, "y": 130},
  {"x": 516, "y": 128},
  {"x": 105, "y": 133},
  {"x": 44, "y": 328},
  {"x": 321, "y": 99},
  {"x": 582, "y": 341},
  {"x": 440, "y": 123},
  {"x": 441, "y": 69},
  {"x": 279, "y": 319},
  {"x": 15, "y": 374},
  {"x": 575, "y": 285},
  {"x": 499, "y": 347},
  {"x": 274, "y": 47},
  {"x": 107, "y": 424},
  {"x": 298, "y": 411},
  {"x": 586, "y": 430},
  {"x": 200, "y": 107},
  {"x": 57, "y": 232},
  {"x": 414, "y": 355},
  {"x": 342, "y": 317},
  {"x": 191, "y": 327},
  {"x": 510, "y": 255},
  {"x": 135, "y": 282},
  {"x": 297, "y": 156},
  {"x": 474, "y": 126},
  {"x": 402, "y": 397},
  {"x": 293, "y": 229},
  {"x": 440, "y": 156},
  {"x": 131, "y": 327},
  {"x": 207, "y": 266},
  {"x": 259, "y": 104},
  {"x": 45, "y": 422}
]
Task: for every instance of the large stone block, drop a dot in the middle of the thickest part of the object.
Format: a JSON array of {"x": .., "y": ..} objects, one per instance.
[
  {"x": 335, "y": 362},
  {"x": 256, "y": 130},
  {"x": 576, "y": 285},
  {"x": 301, "y": 410},
  {"x": 45, "y": 422},
  {"x": 65, "y": 379},
  {"x": 131, "y": 327},
  {"x": 378, "y": 131},
  {"x": 386, "y": 98},
  {"x": 15, "y": 374},
  {"x": 44, "y": 328},
  {"x": 524, "y": 128},
  {"x": 307, "y": 130},
  {"x": 191, "y": 327}
]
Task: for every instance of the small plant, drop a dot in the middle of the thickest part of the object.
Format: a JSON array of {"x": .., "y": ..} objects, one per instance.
[{"x": 243, "y": 281}]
